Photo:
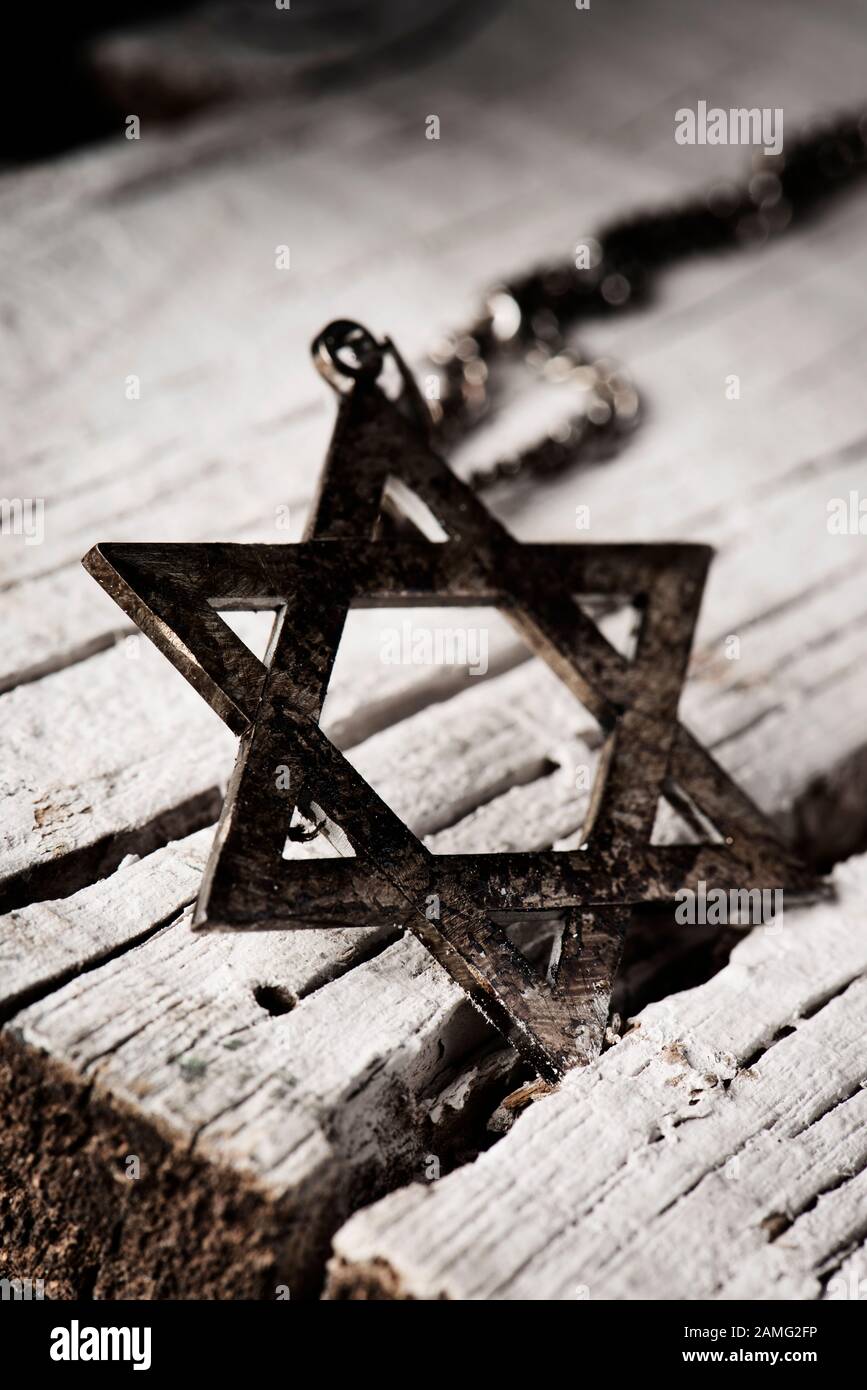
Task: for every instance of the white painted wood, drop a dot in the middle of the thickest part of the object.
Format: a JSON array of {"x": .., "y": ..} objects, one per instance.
[
  {"x": 157, "y": 259},
  {"x": 230, "y": 483},
  {"x": 356, "y": 1082},
  {"x": 50, "y": 941},
  {"x": 152, "y": 745},
  {"x": 664, "y": 1170},
  {"x": 231, "y": 422},
  {"x": 153, "y": 1024}
]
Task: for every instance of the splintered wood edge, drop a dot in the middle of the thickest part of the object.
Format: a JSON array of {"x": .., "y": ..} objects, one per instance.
[
  {"x": 366, "y": 1281},
  {"x": 809, "y": 978},
  {"x": 114, "y": 174},
  {"x": 64, "y": 1148}
]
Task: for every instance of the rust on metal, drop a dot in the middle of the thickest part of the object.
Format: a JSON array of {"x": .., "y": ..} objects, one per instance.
[{"x": 451, "y": 902}]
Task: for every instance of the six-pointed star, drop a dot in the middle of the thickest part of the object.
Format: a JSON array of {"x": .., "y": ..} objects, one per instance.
[{"x": 451, "y": 902}]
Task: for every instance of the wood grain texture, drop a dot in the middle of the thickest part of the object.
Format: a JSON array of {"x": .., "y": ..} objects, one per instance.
[
  {"x": 719, "y": 1150},
  {"x": 155, "y": 1031},
  {"x": 359, "y": 1060}
]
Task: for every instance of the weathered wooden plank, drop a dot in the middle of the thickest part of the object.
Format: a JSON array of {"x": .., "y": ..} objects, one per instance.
[
  {"x": 237, "y": 481},
  {"x": 75, "y": 806},
  {"x": 134, "y": 278},
  {"x": 104, "y": 1023},
  {"x": 687, "y": 1163},
  {"x": 298, "y": 1097},
  {"x": 153, "y": 749},
  {"x": 48, "y": 942},
  {"x": 344, "y": 1095}
]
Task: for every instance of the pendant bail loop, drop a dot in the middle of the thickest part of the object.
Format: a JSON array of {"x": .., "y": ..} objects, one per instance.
[{"x": 346, "y": 352}]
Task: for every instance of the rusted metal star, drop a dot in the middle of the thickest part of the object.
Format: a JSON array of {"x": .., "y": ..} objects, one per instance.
[{"x": 454, "y": 903}]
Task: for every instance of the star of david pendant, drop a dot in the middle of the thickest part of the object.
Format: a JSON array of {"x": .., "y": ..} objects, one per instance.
[{"x": 174, "y": 591}]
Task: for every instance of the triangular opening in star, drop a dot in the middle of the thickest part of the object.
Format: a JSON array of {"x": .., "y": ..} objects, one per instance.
[
  {"x": 254, "y": 629},
  {"x": 476, "y": 744},
  {"x": 618, "y": 618},
  {"x": 539, "y": 938},
  {"x": 681, "y": 821},
  {"x": 402, "y": 507},
  {"x": 313, "y": 835}
]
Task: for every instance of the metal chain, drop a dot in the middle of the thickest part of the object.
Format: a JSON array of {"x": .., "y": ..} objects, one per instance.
[{"x": 528, "y": 319}]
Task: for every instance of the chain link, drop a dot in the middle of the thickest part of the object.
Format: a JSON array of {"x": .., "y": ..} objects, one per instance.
[{"x": 528, "y": 320}]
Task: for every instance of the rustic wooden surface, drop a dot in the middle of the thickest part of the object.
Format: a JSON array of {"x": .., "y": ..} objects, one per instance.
[
  {"x": 272, "y": 1085},
  {"x": 719, "y": 1150}
]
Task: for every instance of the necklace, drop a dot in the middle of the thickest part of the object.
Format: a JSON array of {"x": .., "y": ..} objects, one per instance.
[
  {"x": 527, "y": 320},
  {"x": 382, "y": 871},
  {"x": 452, "y": 902}
]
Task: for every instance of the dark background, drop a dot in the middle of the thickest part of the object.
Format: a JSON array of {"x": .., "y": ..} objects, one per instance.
[{"x": 69, "y": 73}]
